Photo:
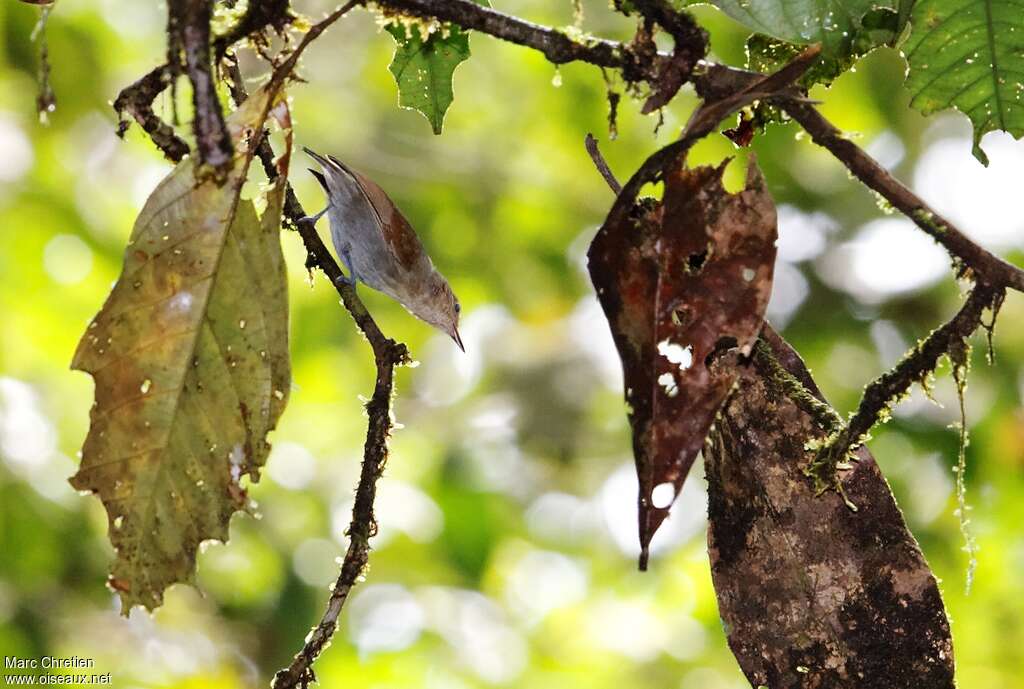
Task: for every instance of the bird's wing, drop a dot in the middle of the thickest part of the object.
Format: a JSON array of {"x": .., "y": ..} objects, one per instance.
[{"x": 397, "y": 231}]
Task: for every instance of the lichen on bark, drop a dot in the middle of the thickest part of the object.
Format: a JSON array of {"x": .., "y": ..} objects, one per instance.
[{"x": 812, "y": 594}]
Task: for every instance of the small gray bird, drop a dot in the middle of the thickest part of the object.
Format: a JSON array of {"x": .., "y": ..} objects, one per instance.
[{"x": 379, "y": 247}]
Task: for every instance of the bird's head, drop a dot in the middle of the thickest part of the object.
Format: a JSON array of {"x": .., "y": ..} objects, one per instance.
[{"x": 439, "y": 306}]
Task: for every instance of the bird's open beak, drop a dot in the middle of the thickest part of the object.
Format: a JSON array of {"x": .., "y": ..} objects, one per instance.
[{"x": 458, "y": 340}]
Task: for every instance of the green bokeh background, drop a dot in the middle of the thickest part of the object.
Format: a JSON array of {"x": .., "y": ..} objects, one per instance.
[{"x": 505, "y": 556}]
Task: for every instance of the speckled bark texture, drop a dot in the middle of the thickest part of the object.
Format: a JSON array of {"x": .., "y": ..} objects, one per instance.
[{"x": 813, "y": 594}]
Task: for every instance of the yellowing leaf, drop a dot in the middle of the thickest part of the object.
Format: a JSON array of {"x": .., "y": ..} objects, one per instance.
[{"x": 190, "y": 359}]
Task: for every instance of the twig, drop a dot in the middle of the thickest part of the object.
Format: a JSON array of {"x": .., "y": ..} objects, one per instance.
[
  {"x": 602, "y": 165},
  {"x": 691, "y": 45},
  {"x": 988, "y": 267},
  {"x": 555, "y": 45},
  {"x": 703, "y": 121},
  {"x": 882, "y": 392},
  {"x": 136, "y": 100},
  {"x": 387, "y": 355},
  {"x": 191, "y": 20},
  {"x": 718, "y": 81},
  {"x": 46, "y": 99}
]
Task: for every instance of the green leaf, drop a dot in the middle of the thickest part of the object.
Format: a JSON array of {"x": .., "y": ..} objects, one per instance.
[
  {"x": 833, "y": 23},
  {"x": 190, "y": 359},
  {"x": 423, "y": 68},
  {"x": 969, "y": 54}
]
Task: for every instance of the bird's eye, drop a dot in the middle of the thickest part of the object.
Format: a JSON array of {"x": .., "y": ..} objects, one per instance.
[{"x": 458, "y": 307}]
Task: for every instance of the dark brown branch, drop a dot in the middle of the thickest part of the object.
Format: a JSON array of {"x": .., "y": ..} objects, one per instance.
[
  {"x": 717, "y": 81},
  {"x": 136, "y": 100},
  {"x": 190, "y": 19},
  {"x": 691, "y": 44},
  {"x": 556, "y": 46},
  {"x": 601, "y": 164},
  {"x": 985, "y": 265},
  {"x": 387, "y": 355},
  {"x": 703, "y": 121},
  {"x": 275, "y": 14},
  {"x": 886, "y": 390}
]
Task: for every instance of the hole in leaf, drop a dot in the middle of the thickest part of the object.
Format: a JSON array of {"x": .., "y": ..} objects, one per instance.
[
  {"x": 696, "y": 261},
  {"x": 724, "y": 344},
  {"x": 663, "y": 495}
]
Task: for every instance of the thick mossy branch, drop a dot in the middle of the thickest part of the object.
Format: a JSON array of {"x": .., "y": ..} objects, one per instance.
[
  {"x": 786, "y": 384},
  {"x": 885, "y": 391}
]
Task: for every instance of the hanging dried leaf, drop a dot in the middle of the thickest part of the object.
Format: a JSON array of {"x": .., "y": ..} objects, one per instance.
[
  {"x": 813, "y": 594},
  {"x": 681, "y": 282},
  {"x": 190, "y": 358}
]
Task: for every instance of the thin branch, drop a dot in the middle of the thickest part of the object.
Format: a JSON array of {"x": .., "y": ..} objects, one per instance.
[
  {"x": 691, "y": 45},
  {"x": 46, "y": 99},
  {"x": 136, "y": 100},
  {"x": 387, "y": 355},
  {"x": 704, "y": 120},
  {"x": 555, "y": 45},
  {"x": 190, "y": 19},
  {"x": 884, "y": 391},
  {"x": 601, "y": 164},
  {"x": 717, "y": 81},
  {"x": 986, "y": 266},
  {"x": 276, "y": 14}
]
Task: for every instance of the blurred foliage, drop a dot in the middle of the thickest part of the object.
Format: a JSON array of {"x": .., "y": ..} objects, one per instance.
[{"x": 507, "y": 547}]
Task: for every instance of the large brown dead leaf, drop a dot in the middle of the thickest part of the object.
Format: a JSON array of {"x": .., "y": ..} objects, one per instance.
[
  {"x": 190, "y": 359},
  {"x": 814, "y": 595},
  {"x": 681, "y": 282}
]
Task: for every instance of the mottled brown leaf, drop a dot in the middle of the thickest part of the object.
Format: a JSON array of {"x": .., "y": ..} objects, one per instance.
[
  {"x": 680, "y": 282},
  {"x": 190, "y": 360},
  {"x": 813, "y": 594}
]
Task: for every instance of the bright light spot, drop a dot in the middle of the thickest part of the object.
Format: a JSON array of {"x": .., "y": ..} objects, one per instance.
[
  {"x": 887, "y": 257},
  {"x": 802, "y": 235},
  {"x": 67, "y": 259},
  {"x": 629, "y": 628},
  {"x": 291, "y": 465},
  {"x": 677, "y": 354},
  {"x": 687, "y": 518},
  {"x": 384, "y": 617},
  {"x": 591, "y": 335},
  {"x": 182, "y": 301},
  {"x": 983, "y": 202},
  {"x": 27, "y": 437},
  {"x": 402, "y": 508},
  {"x": 542, "y": 581},
  {"x": 663, "y": 495},
  {"x": 477, "y": 631},
  {"x": 15, "y": 150},
  {"x": 887, "y": 149},
  {"x": 667, "y": 381},
  {"x": 314, "y": 561},
  {"x": 789, "y": 290},
  {"x": 562, "y": 518}
]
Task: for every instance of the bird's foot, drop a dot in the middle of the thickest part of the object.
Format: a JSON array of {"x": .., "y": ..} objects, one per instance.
[
  {"x": 346, "y": 280},
  {"x": 311, "y": 219}
]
